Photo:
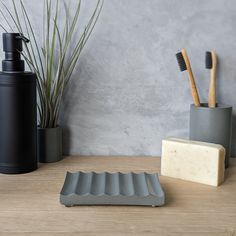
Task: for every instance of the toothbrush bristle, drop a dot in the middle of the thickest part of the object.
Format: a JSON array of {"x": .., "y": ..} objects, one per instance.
[
  {"x": 208, "y": 60},
  {"x": 181, "y": 61}
]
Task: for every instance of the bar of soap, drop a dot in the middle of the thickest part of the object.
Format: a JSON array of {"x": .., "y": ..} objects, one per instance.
[{"x": 193, "y": 161}]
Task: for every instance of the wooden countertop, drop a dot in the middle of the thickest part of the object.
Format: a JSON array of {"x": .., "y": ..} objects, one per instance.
[{"x": 29, "y": 204}]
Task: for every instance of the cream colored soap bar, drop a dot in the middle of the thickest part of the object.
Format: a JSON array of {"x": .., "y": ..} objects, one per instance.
[{"x": 194, "y": 161}]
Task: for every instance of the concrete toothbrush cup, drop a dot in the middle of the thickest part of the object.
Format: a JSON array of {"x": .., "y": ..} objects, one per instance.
[{"x": 213, "y": 125}]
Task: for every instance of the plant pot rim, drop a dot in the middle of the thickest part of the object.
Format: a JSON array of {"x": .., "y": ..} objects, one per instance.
[
  {"x": 204, "y": 106},
  {"x": 39, "y": 128}
]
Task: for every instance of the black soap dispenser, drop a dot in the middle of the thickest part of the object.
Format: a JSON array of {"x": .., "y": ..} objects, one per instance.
[{"x": 18, "y": 112}]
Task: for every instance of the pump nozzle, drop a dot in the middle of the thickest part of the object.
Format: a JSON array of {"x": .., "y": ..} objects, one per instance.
[{"x": 22, "y": 37}]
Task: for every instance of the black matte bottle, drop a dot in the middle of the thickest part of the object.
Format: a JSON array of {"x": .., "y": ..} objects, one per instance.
[{"x": 18, "y": 121}]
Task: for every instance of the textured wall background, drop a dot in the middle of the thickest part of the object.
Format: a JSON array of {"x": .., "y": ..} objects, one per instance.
[{"x": 128, "y": 93}]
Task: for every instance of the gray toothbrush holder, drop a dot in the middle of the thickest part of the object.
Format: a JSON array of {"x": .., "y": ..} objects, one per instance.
[{"x": 213, "y": 125}]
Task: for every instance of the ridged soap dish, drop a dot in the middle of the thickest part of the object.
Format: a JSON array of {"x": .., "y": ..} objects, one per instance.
[{"x": 91, "y": 188}]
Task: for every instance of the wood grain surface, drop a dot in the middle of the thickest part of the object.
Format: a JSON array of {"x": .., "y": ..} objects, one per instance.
[{"x": 29, "y": 204}]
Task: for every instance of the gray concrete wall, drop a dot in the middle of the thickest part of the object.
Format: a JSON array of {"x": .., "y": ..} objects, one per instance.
[{"x": 127, "y": 92}]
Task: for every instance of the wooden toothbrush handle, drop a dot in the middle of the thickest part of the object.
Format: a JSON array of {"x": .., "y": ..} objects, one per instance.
[
  {"x": 193, "y": 87},
  {"x": 212, "y": 87}
]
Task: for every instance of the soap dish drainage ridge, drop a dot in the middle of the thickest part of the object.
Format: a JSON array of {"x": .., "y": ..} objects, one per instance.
[{"x": 91, "y": 188}]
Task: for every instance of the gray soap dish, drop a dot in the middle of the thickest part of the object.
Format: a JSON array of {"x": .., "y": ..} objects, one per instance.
[{"x": 105, "y": 188}]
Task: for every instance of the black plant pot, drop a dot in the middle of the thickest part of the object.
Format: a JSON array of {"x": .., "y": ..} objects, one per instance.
[{"x": 49, "y": 144}]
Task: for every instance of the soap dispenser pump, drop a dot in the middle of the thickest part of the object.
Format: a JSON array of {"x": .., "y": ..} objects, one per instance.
[{"x": 18, "y": 112}]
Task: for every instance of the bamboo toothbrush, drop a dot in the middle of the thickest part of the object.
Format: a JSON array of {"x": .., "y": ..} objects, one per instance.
[
  {"x": 211, "y": 63},
  {"x": 184, "y": 64}
]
